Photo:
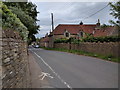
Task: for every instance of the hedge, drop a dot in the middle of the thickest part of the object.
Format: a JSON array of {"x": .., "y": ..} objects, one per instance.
[
  {"x": 102, "y": 39},
  {"x": 90, "y": 39},
  {"x": 63, "y": 40}
]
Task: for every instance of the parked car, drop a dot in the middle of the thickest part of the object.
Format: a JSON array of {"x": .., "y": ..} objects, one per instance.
[{"x": 36, "y": 46}]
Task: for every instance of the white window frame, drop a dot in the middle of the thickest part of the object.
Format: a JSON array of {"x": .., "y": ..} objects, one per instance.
[{"x": 65, "y": 34}]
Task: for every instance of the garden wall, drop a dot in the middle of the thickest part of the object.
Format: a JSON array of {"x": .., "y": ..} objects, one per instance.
[
  {"x": 105, "y": 48},
  {"x": 14, "y": 61}
]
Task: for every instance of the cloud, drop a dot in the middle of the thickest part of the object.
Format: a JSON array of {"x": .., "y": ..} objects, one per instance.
[
  {"x": 43, "y": 31},
  {"x": 70, "y": 12}
]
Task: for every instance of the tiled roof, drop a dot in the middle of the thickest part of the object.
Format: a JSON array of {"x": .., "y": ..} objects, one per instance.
[
  {"x": 88, "y": 28},
  {"x": 45, "y": 39},
  {"x": 74, "y": 29},
  {"x": 104, "y": 31}
]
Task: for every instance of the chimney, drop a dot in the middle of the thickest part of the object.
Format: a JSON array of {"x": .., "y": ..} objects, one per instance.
[
  {"x": 98, "y": 24},
  {"x": 81, "y": 23}
]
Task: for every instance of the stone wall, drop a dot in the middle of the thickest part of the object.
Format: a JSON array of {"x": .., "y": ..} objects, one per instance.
[
  {"x": 62, "y": 45},
  {"x": 111, "y": 48},
  {"x": 62, "y": 36},
  {"x": 51, "y": 42},
  {"x": 14, "y": 65}
]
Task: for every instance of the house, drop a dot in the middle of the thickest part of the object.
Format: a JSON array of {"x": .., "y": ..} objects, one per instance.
[
  {"x": 78, "y": 31},
  {"x": 82, "y": 30},
  {"x": 44, "y": 41},
  {"x": 47, "y": 41},
  {"x": 75, "y": 31}
]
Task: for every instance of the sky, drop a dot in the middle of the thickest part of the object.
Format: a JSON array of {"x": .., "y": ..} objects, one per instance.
[{"x": 70, "y": 13}]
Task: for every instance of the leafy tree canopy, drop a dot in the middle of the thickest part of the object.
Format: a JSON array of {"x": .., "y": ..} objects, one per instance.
[
  {"x": 27, "y": 13},
  {"x": 115, "y": 11},
  {"x": 10, "y": 20}
]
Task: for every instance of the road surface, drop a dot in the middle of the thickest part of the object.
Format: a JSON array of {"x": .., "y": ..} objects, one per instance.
[{"x": 76, "y": 71}]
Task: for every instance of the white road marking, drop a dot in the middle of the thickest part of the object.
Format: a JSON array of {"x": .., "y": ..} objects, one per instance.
[
  {"x": 43, "y": 75},
  {"x": 36, "y": 49},
  {"x": 65, "y": 83}
]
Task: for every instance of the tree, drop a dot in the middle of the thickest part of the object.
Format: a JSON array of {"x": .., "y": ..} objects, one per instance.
[
  {"x": 10, "y": 20},
  {"x": 28, "y": 7},
  {"x": 115, "y": 11},
  {"x": 27, "y": 13}
]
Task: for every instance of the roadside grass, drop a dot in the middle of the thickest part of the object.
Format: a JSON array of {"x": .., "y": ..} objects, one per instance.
[{"x": 78, "y": 52}]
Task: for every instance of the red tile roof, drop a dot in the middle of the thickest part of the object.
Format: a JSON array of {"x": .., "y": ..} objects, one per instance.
[
  {"x": 74, "y": 29},
  {"x": 88, "y": 28},
  {"x": 45, "y": 39},
  {"x": 104, "y": 31}
]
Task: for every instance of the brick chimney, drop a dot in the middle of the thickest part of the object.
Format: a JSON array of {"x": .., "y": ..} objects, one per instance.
[
  {"x": 98, "y": 25},
  {"x": 81, "y": 23}
]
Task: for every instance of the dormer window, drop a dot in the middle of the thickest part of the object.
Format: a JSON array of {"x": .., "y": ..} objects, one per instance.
[
  {"x": 81, "y": 34},
  {"x": 67, "y": 34},
  {"x": 93, "y": 32}
]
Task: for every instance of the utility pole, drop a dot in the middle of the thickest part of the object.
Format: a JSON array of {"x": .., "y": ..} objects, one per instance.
[
  {"x": 52, "y": 21},
  {"x": 52, "y": 38}
]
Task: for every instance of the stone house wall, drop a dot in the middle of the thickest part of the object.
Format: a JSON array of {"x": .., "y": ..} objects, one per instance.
[
  {"x": 42, "y": 44},
  {"x": 14, "y": 60},
  {"x": 62, "y": 36}
]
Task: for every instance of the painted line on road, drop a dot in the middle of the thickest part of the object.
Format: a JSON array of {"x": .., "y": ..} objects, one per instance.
[
  {"x": 36, "y": 49},
  {"x": 68, "y": 86}
]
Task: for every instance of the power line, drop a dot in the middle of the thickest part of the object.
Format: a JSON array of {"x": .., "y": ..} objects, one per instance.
[{"x": 96, "y": 12}]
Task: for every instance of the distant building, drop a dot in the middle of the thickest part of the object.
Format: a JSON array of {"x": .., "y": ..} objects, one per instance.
[
  {"x": 79, "y": 31},
  {"x": 47, "y": 41}
]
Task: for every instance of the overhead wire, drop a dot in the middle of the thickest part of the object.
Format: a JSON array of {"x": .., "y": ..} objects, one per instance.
[{"x": 95, "y": 12}]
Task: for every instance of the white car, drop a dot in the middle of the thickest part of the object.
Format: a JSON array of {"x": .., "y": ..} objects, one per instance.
[{"x": 36, "y": 46}]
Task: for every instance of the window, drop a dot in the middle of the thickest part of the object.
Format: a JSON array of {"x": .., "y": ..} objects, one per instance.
[
  {"x": 67, "y": 34},
  {"x": 81, "y": 34}
]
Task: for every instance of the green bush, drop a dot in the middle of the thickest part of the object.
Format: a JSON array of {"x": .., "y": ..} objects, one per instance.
[
  {"x": 63, "y": 40},
  {"x": 102, "y": 39}
]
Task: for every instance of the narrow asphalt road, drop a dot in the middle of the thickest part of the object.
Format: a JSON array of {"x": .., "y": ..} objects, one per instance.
[{"x": 76, "y": 71}]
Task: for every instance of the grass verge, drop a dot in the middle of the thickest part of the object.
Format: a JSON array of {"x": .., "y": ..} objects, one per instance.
[{"x": 78, "y": 52}]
